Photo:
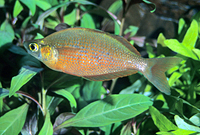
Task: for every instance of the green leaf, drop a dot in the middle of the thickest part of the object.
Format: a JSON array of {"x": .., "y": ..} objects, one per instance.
[
  {"x": 2, "y": 2},
  {"x": 181, "y": 25},
  {"x": 17, "y": 8},
  {"x": 117, "y": 28},
  {"x": 43, "y": 4},
  {"x": 195, "y": 119},
  {"x": 174, "y": 77},
  {"x": 52, "y": 103},
  {"x": 178, "y": 132},
  {"x": 191, "y": 36},
  {"x": 183, "y": 125},
  {"x": 134, "y": 87},
  {"x": 12, "y": 122},
  {"x": 41, "y": 18},
  {"x": 70, "y": 18},
  {"x": 3, "y": 92},
  {"x": 113, "y": 108},
  {"x": 150, "y": 51},
  {"x": 116, "y": 7},
  {"x": 197, "y": 52},
  {"x": 68, "y": 96},
  {"x": 183, "y": 132},
  {"x": 30, "y": 4},
  {"x": 174, "y": 45},
  {"x": 39, "y": 36},
  {"x": 161, "y": 39},
  {"x": 160, "y": 120},
  {"x": 87, "y": 21},
  {"x": 47, "y": 128},
  {"x": 26, "y": 73},
  {"x": 132, "y": 29},
  {"x": 93, "y": 90},
  {"x": 6, "y": 33}
]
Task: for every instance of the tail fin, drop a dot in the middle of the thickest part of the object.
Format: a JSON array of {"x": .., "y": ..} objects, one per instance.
[{"x": 155, "y": 72}]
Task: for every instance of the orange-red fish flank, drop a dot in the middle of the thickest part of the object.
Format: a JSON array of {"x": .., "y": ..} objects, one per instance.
[{"x": 98, "y": 56}]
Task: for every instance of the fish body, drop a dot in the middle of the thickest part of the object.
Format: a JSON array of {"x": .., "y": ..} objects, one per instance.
[{"x": 98, "y": 56}]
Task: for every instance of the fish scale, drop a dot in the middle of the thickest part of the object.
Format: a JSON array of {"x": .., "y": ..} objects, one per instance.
[{"x": 98, "y": 56}]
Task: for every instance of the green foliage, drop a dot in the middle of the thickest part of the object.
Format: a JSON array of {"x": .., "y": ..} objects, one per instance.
[
  {"x": 37, "y": 100},
  {"x": 15, "y": 118},
  {"x": 120, "y": 105}
]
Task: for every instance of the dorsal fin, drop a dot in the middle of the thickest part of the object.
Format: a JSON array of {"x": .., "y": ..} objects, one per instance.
[
  {"x": 119, "y": 38},
  {"x": 126, "y": 43}
]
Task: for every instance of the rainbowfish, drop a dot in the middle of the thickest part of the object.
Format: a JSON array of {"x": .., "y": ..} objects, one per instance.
[{"x": 98, "y": 56}]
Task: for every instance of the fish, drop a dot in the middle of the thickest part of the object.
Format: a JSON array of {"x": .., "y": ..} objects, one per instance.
[{"x": 98, "y": 56}]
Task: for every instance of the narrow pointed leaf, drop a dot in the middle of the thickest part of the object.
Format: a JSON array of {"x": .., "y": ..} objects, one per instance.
[
  {"x": 26, "y": 73},
  {"x": 68, "y": 96},
  {"x": 181, "y": 24},
  {"x": 160, "y": 120},
  {"x": 93, "y": 90},
  {"x": 113, "y": 108},
  {"x": 17, "y": 8},
  {"x": 12, "y": 122},
  {"x": 191, "y": 35},
  {"x": 47, "y": 128}
]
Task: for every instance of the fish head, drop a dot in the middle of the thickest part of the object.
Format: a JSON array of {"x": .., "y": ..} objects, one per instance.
[{"x": 41, "y": 51}]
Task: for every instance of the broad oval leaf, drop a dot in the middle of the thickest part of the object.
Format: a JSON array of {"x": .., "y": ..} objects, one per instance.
[
  {"x": 93, "y": 90},
  {"x": 26, "y": 73},
  {"x": 12, "y": 122},
  {"x": 6, "y": 33},
  {"x": 47, "y": 128},
  {"x": 87, "y": 21},
  {"x": 113, "y": 108}
]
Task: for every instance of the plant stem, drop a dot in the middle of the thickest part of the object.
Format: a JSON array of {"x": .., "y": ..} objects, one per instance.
[
  {"x": 30, "y": 97},
  {"x": 44, "y": 100},
  {"x": 43, "y": 95}
]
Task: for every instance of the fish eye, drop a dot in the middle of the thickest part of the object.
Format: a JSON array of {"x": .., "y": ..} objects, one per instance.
[{"x": 33, "y": 47}]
